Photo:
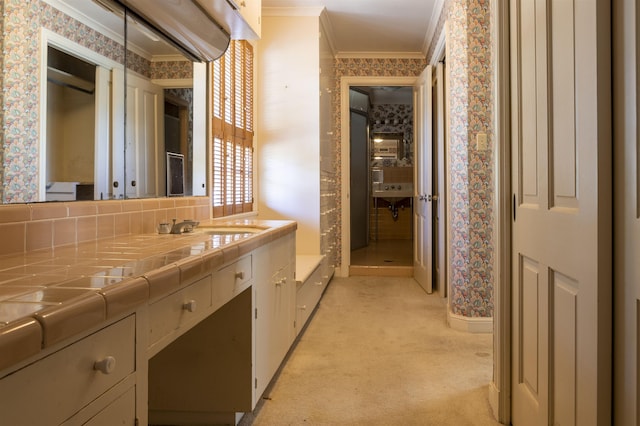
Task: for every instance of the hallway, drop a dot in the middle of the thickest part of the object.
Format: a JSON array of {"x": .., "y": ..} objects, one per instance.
[{"x": 378, "y": 352}]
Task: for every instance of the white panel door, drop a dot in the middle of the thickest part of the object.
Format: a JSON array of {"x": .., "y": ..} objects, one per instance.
[
  {"x": 422, "y": 256},
  {"x": 145, "y": 156},
  {"x": 561, "y": 287}
]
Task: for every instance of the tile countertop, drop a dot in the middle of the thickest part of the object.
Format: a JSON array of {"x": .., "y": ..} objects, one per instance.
[{"x": 50, "y": 295}]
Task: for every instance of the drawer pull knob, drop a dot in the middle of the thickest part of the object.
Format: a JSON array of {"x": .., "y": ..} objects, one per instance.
[
  {"x": 280, "y": 282},
  {"x": 240, "y": 275},
  {"x": 106, "y": 365},
  {"x": 318, "y": 283},
  {"x": 190, "y": 306},
  {"x": 303, "y": 307}
]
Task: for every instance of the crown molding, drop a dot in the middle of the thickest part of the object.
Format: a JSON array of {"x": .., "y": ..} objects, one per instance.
[
  {"x": 325, "y": 22},
  {"x": 292, "y": 11},
  {"x": 438, "y": 8},
  {"x": 381, "y": 55}
]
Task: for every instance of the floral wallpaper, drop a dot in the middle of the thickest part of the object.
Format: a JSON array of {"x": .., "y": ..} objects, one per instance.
[
  {"x": 20, "y": 107},
  {"x": 171, "y": 69},
  {"x": 20, "y": 113},
  {"x": 471, "y": 215}
]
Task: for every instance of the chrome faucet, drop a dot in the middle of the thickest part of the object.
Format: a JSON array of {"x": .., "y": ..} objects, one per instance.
[{"x": 184, "y": 226}]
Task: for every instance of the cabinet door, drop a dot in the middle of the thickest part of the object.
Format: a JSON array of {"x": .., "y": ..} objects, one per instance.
[
  {"x": 250, "y": 11},
  {"x": 275, "y": 316}
]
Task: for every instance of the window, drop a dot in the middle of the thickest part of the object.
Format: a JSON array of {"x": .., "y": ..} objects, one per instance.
[{"x": 232, "y": 144}]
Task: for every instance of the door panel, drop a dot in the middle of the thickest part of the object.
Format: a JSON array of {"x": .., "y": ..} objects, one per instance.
[
  {"x": 439, "y": 204},
  {"x": 561, "y": 246},
  {"x": 145, "y": 167},
  {"x": 359, "y": 172},
  {"x": 422, "y": 262},
  {"x": 529, "y": 320}
]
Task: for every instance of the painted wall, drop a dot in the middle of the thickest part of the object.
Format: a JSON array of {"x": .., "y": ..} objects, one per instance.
[{"x": 288, "y": 125}]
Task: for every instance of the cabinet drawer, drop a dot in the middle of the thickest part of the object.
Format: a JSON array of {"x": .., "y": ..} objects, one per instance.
[
  {"x": 185, "y": 306},
  {"x": 307, "y": 297},
  {"x": 122, "y": 411},
  {"x": 231, "y": 280},
  {"x": 57, "y": 386}
]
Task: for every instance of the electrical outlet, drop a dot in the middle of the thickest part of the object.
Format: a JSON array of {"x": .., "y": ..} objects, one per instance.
[{"x": 481, "y": 142}]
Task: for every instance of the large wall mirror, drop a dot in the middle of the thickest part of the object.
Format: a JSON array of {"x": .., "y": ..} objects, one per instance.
[{"x": 82, "y": 120}]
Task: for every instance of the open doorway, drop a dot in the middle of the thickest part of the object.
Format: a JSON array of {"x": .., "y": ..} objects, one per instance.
[{"x": 381, "y": 179}]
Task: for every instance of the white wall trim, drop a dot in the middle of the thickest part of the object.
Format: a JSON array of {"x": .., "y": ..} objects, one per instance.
[
  {"x": 440, "y": 49},
  {"x": 433, "y": 25},
  {"x": 174, "y": 83},
  {"x": 470, "y": 324},
  {"x": 494, "y": 399},
  {"x": 345, "y": 84},
  {"x": 328, "y": 32},
  {"x": 292, "y": 11}
]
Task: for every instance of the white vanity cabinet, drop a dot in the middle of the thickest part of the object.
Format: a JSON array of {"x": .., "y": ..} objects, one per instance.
[
  {"x": 191, "y": 342},
  {"x": 251, "y": 11},
  {"x": 222, "y": 365},
  {"x": 87, "y": 381},
  {"x": 204, "y": 375},
  {"x": 241, "y": 18},
  {"x": 275, "y": 289},
  {"x": 310, "y": 286}
]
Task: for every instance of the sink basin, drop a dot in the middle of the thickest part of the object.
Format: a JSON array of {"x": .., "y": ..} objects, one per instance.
[
  {"x": 392, "y": 192},
  {"x": 230, "y": 229}
]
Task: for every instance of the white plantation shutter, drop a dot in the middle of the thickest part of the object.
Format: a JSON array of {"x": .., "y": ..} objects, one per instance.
[{"x": 232, "y": 144}]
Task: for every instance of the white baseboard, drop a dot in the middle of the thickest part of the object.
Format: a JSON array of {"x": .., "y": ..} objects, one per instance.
[
  {"x": 470, "y": 325},
  {"x": 494, "y": 398}
]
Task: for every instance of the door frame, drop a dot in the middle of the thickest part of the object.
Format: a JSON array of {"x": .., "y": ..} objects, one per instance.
[
  {"x": 500, "y": 386},
  {"x": 107, "y": 109},
  {"x": 345, "y": 172}
]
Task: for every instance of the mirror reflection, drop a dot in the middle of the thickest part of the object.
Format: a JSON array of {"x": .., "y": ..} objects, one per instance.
[{"x": 71, "y": 129}]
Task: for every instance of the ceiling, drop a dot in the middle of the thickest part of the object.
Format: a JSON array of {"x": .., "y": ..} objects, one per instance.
[{"x": 375, "y": 26}]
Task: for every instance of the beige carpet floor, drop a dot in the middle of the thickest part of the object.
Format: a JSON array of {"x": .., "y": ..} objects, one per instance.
[{"x": 378, "y": 352}]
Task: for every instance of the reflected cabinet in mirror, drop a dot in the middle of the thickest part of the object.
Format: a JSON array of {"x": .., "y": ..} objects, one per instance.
[{"x": 82, "y": 120}]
